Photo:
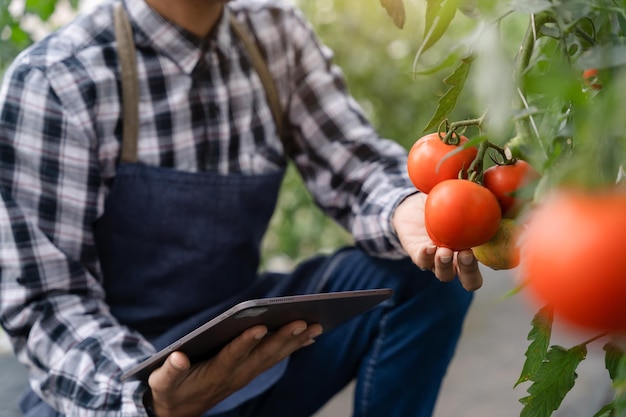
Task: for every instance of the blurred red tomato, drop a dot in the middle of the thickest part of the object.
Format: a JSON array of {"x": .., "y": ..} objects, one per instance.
[{"x": 574, "y": 258}]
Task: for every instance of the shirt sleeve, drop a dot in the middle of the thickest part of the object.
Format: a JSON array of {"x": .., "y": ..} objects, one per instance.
[
  {"x": 355, "y": 176},
  {"x": 51, "y": 303}
]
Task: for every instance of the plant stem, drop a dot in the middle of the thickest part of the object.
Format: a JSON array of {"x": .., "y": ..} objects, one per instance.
[
  {"x": 523, "y": 125},
  {"x": 502, "y": 153},
  {"x": 467, "y": 123},
  {"x": 593, "y": 339},
  {"x": 475, "y": 170}
]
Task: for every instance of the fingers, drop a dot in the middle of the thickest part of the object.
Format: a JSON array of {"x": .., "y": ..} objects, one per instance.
[
  {"x": 287, "y": 340},
  {"x": 240, "y": 348},
  {"x": 468, "y": 272},
  {"x": 446, "y": 265},
  {"x": 177, "y": 388},
  {"x": 171, "y": 373},
  {"x": 425, "y": 258},
  {"x": 254, "y": 352}
]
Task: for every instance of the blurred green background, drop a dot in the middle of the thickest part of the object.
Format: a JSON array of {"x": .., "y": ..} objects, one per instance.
[{"x": 377, "y": 60}]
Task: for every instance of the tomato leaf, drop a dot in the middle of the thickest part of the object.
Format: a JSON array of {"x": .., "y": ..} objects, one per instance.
[
  {"x": 612, "y": 359},
  {"x": 615, "y": 362},
  {"x": 447, "y": 102},
  {"x": 395, "y": 9},
  {"x": 553, "y": 379},
  {"x": 530, "y": 6},
  {"x": 538, "y": 348},
  {"x": 606, "y": 411},
  {"x": 439, "y": 15},
  {"x": 601, "y": 56},
  {"x": 446, "y": 62}
]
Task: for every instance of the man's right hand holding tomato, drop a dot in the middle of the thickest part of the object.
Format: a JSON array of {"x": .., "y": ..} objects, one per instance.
[{"x": 446, "y": 264}]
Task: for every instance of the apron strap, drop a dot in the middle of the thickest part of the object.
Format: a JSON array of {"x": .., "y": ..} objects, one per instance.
[
  {"x": 263, "y": 71},
  {"x": 130, "y": 89}
]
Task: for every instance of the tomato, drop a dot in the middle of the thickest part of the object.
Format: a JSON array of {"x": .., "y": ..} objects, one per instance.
[
  {"x": 504, "y": 180},
  {"x": 591, "y": 78},
  {"x": 426, "y": 165},
  {"x": 460, "y": 214},
  {"x": 574, "y": 258},
  {"x": 501, "y": 251}
]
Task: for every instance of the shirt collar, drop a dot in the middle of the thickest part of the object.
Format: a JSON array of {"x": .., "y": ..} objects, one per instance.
[{"x": 154, "y": 31}]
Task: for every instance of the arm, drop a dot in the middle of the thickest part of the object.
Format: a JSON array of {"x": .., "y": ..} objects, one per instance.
[
  {"x": 51, "y": 302},
  {"x": 356, "y": 177}
]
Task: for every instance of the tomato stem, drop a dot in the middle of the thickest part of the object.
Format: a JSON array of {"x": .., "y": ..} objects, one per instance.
[
  {"x": 506, "y": 159},
  {"x": 523, "y": 125},
  {"x": 593, "y": 339},
  {"x": 467, "y": 123},
  {"x": 475, "y": 170},
  {"x": 451, "y": 137}
]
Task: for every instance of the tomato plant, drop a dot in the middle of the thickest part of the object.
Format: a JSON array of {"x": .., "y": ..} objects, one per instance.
[
  {"x": 506, "y": 182},
  {"x": 587, "y": 287},
  {"x": 460, "y": 214},
  {"x": 432, "y": 160},
  {"x": 551, "y": 94}
]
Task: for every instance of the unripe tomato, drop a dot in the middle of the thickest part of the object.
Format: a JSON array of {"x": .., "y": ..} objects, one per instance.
[
  {"x": 460, "y": 214},
  {"x": 574, "y": 258},
  {"x": 426, "y": 164},
  {"x": 504, "y": 180},
  {"x": 501, "y": 251}
]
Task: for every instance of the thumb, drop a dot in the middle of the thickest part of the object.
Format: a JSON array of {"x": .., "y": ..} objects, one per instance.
[{"x": 173, "y": 370}]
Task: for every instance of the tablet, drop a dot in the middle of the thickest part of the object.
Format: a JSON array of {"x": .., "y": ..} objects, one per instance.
[{"x": 328, "y": 309}]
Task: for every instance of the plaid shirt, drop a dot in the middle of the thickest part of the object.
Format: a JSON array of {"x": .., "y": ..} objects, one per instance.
[{"x": 202, "y": 108}]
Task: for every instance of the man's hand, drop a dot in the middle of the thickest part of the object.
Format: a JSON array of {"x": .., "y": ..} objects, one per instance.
[
  {"x": 408, "y": 222},
  {"x": 181, "y": 390}
]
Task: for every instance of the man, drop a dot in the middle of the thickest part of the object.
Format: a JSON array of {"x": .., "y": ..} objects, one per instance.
[{"x": 126, "y": 222}]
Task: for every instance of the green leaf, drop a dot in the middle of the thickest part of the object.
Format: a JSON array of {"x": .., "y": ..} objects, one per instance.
[
  {"x": 446, "y": 62},
  {"x": 395, "y": 9},
  {"x": 439, "y": 15},
  {"x": 538, "y": 348},
  {"x": 602, "y": 56},
  {"x": 573, "y": 10},
  {"x": 20, "y": 38},
  {"x": 615, "y": 362},
  {"x": 42, "y": 8},
  {"x": 530, "y": 6},
  {"x": 448, "y": 101},
  {"x": 606, "y": 411},
  {"x": 554, "y": 378},
  {"x": 612, "y": 357}
]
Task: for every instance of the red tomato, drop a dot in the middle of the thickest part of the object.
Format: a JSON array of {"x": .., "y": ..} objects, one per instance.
[
  {"x": 591, "y": 78},
  {"x": 460, "y": 214},
  {"x": 504, "y": 180},
  {"x": 574, "y": 258},
  {"x": 426, "y": 155}
]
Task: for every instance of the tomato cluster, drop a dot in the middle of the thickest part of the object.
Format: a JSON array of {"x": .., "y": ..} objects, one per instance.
[{"x": 461, "y": 213}]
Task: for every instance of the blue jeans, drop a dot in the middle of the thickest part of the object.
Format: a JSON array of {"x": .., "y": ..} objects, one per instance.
[{"x": 398, "y": 352}]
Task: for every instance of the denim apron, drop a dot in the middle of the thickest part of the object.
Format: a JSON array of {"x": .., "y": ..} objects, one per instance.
[{"x": 177, "y": 248}]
